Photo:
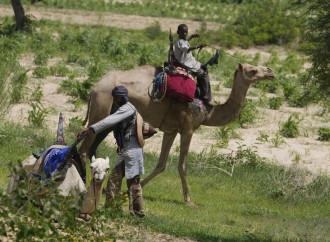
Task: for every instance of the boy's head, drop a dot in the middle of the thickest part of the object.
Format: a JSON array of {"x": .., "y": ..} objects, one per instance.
[{"x": 182, "y": 31}]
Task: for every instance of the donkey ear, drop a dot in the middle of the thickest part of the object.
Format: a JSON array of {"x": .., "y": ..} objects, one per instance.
[
  {"x": 93, "y": 159},
  {"x": 107, "y": 159},
  {"x": 240, "y": 67}
]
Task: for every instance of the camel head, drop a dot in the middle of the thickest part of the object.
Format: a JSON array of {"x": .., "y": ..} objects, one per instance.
[
  {"x": 99, "y": 168},
  {"x": 253, "y": 74}
]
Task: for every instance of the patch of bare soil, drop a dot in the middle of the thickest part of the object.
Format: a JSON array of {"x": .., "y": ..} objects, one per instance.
[{"x": 73, "y": 16}]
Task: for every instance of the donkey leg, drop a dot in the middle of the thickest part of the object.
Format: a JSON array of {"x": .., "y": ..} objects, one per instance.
[{"x": 168, "y": 139}]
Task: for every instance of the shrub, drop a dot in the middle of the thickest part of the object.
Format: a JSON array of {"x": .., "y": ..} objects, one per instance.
[
  {"x": 249, "y": 113},
  {"x": 59, "y": 70},
  {"x": 153, "y": 31},
  {"x": 324, "y": 134},
  {"x": 290, "y": 128},
  {"x": 275, "y": 103},
  {"x": 41, "y": 72},
  {"x": 41, "y": 59}
]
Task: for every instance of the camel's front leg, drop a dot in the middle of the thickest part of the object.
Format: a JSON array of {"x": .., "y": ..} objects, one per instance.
[
  {"x": 168, "y": 139},
  {"x": 185, "y": 143}
]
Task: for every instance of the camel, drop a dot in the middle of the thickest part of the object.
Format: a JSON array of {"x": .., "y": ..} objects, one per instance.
[
  {"x": 179, "y": 118},
  {"x": 73, "y": 183}
]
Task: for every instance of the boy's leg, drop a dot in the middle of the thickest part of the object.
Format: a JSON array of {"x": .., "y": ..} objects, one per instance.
[
  {"x": 114, "y": 182},
  {"x": 203, "y": 82},
  {"x": 135, "y": 197}
]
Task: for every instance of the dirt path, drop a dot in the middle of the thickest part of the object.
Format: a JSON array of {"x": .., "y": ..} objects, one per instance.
[{"x": 73, "y": 16}]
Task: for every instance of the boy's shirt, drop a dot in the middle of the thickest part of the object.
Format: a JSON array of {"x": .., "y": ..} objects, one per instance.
[{"x": 185, "y": 58}]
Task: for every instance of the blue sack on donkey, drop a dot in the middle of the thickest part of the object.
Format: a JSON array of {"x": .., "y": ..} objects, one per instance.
[{"x": 53, "y": 161}]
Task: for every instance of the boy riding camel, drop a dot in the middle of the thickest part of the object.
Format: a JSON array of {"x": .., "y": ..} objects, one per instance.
[{"x": 183, "y": 55}]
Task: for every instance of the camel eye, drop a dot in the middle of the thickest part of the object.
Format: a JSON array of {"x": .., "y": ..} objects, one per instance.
[{"x": 254, "y": 72}]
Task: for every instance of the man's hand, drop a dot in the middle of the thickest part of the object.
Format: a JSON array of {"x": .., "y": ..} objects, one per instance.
[
  {"x": 195, "y": 35},
  {"x": 83, "y": 133}
]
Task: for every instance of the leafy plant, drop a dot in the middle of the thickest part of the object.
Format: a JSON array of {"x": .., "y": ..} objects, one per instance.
[
  {"x": 324, "y": 134},
  {"x": 41, "y": 58},
  {"x": 263, "y": 137},
  {"x": 290, "y": 128},
  {"x": 275, "y": 103},
  {"x": 249, "y": 113},
  {"x": 59, "y": 70},
  {"x": 277, "y": 140},
  {"x": 38, "y": 114},
  {"x": 41, "y": 72}
]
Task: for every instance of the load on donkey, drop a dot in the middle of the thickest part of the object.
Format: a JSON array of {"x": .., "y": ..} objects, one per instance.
[
  {"x": 62, "y": 165},
  {"x": 183, "y": 117}
]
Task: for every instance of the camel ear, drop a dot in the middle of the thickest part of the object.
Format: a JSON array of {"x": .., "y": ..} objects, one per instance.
[
  {"x": 240, "y": 67},
  {"x": 93, "y": 158},
  {"x": 107, "y": 159}
]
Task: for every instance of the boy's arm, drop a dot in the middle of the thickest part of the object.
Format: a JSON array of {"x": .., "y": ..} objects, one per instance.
[
  {"x": 193, "y": 36},
  {"x": 196, "y": 47}
]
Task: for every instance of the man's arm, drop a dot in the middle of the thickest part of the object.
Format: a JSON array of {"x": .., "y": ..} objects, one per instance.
[{"x": 121, "y": 114}]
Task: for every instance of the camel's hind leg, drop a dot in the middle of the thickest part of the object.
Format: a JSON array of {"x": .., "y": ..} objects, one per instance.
[{"x": 168, "y": 139}]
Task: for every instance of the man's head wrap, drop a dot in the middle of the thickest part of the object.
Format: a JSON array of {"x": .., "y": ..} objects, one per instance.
[{"x": 121, "y": 91}]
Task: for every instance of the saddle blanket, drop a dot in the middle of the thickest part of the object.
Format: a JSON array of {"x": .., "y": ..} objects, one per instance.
[{"x": 180, "y": 86}]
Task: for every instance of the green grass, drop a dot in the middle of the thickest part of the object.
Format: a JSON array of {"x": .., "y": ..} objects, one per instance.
[{"x": 260, "y": 201}]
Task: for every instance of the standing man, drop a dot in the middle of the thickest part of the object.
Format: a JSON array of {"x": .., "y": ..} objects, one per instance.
[
  {"x": 182, "y": 54},
  {"x": 130, "y": 162}
]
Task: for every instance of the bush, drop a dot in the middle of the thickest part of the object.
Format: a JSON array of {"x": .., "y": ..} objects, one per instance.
[
  {"x": 249, "y": 113},
  {"x": 41, "y": 72},
  {"x": 324, "y": 134},
  {"x": 275, "y": 103},
  {"x": 290, "y": 127}
]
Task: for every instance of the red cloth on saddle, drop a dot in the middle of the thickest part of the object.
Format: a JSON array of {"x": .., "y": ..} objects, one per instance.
[{"x": 180, "y": 86}]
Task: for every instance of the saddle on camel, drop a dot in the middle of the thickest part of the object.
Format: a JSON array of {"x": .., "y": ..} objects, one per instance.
[{"x": 177, "y": 79}]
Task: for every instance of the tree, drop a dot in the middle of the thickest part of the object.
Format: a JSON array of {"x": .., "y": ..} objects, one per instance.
[
  {"x": 317, "y": 34},
  {"x": 19, "y": 15}
]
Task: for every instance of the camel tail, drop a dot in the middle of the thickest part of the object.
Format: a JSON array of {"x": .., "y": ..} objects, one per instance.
[{"x": 87, "y": 113}]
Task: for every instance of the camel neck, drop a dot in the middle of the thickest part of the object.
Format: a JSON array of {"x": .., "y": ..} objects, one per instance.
[{"x": 225, "y": 113}]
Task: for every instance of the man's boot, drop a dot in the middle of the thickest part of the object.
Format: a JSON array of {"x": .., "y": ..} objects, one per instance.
[
  {"x": 135, "y": 197},
  {"x": 114, "y": 183}
]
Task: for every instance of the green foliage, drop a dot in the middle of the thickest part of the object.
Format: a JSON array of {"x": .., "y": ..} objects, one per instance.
[
  {"x": 36, "y": 211},
  {"x": 59, "y": 70},
  {"x": 38, "y": 113},
  {"x": 18, "y": 83},
  {"x": 263, "y": 137},
  {"x": 290, "y": 128},
  {"x": 317, "y": 34},
  {"x": 225, "y": 133},
  {"x": 153, "y": 31},
  {"x": 41, "y": 58},
  {"x": 277, "y": 140},
  {"x": 260, "y": 23},
  {"x": 324, "y": 134},
  {"x": 275, "y": 103},
  {"x": 41, "y": 72},
  {"x": 249, "y": 113}
]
